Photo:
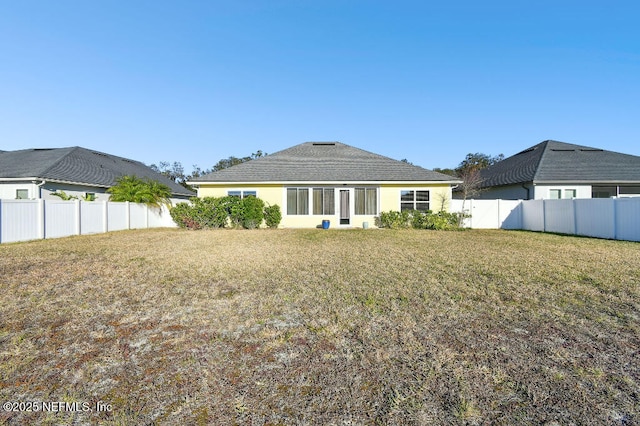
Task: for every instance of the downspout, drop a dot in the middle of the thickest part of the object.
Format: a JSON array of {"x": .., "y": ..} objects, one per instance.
[
  {"x": 39, "y": 186},
  {"x": 528, "y": 191}
]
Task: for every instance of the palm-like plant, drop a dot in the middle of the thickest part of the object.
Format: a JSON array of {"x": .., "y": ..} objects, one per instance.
[{"x": 140, "y": 190}]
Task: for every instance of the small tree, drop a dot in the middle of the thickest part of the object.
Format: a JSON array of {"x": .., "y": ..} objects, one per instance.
[{"x": 140, "y": 190}]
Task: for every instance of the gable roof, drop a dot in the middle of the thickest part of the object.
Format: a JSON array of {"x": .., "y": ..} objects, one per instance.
[
  {"x": 79, "y": 166},
  {"x": 323, "y": 162},
  {"x": 552, "y": 161}
]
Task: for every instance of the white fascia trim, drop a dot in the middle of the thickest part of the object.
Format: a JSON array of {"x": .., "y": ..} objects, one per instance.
[
  {"x": 19, "y": 179},
  {"x": 586, "y": 182},
  {"x": 331, "y": 183},
  {"x": 53, "y": 181}
]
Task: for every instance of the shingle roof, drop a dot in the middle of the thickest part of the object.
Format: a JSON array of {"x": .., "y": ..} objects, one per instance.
[
  {"x": 553, "y": 161},
  {"x": 77, "y": 165},
  {"x": 323, "y": 162}
]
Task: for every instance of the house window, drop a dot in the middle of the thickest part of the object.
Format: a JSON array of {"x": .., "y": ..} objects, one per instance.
[
  {"x": 630, "y": 190},
  {"x": 324, "y": 201},
  {"x": 603, "y": 191},
  {"x": 555, "y": 194},
  {"x": 569, "y": 193},
  {"x": 414, "y": 200},
  {"x": 242, "y": 194},
  {"x": 297, "y": 201},
  {"x": 22, "y": 194},
  {"x": 366, "y": 201}
]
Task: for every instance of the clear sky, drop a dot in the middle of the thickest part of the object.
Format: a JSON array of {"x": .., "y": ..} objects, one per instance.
[{"x": 430, "y": 81}]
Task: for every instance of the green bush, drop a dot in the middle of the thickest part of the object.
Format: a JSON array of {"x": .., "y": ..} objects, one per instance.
[
  {"x": 393, "y": 220},
  {"x": 210, "y": 212},
  {"x": 272, "y": 216},
  {"x": 420, "y": 220},
  {"x": 252, "y": 212}
]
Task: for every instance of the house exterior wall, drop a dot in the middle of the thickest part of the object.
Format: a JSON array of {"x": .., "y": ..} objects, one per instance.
[
  {"x": 543, "y": 192},
  {"x": 507, "y": 192},
  {"x": 73, "y": 190},
  {"x": 388, "y": 198},
  {"x": 8, "y": 189}
]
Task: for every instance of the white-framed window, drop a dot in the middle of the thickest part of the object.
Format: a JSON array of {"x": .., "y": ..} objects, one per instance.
[
  {"x": 297, "y": 201},
  {"x": 324, "y": 201},
  {"x": 22, "y": 194},
  {"x": 242, "y": 194},
  {"x": 557, "y": 194},
  {"x": 366, "y": 201},
  {"x": 414, "y": 200}
]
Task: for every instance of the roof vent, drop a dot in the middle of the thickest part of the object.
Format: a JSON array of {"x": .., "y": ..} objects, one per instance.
[
  {"x": 562, "y": 150},
  {"x": 323, "y": 143},
  {"x": 592, "y": 150}
]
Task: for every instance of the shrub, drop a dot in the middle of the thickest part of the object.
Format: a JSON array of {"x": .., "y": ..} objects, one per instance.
[
  {"x": 252, "y": 212},
  {"x": 442, "y": 221},
  {"x": 234, "y": 208},
  {"x": 272, "y": 216},
  {"x": 210, "y": 212},
  {"x": 202, "y": 213},
  {"x": 393, "y": 220},
  {"x": 420, "y": 220}
]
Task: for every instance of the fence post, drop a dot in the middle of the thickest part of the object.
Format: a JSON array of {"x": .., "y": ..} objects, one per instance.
[
  {"x": 0, "y": 221},
  {"x": 544, "y": 216},
  {"x": 127, "y": 214},
  {"x": 615, "y": 217},
  {"x": 575, "y": 217},
  {"x": 471, "y": 213},
  {"x": 521, "y": 206},
  {"x": 105, "y": 217},
  {"x": 146, "y": 217},
  {"x": 78, "y": 217},
  {"x": 41, "y": 219}
]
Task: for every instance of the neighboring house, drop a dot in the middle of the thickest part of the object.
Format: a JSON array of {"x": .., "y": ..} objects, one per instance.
[
  {"x": 81, "y": 172},
  {"x": 552, "y": 170},
  {"x": 317, "y": 181}
]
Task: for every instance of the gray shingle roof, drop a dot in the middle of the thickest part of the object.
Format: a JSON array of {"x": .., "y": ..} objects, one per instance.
[
  {"x": 324, "y": 162},
  {"x": 77, "y": 165},
  {"x": 553, "y": 161}
]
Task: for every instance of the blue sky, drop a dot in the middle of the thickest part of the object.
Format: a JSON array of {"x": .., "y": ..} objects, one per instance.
[{"x": 428, "y": 81}]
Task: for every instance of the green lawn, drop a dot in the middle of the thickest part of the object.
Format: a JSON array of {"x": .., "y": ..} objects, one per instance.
[{"x": 322, "y": 327}]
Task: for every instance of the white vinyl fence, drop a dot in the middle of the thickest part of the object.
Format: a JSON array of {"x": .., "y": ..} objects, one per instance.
[
  {"x": 23, "y": 220},
  {"x": 612, "y": 218}
]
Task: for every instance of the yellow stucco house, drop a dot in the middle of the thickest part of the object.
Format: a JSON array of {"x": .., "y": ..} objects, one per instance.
[{"x": 317, "y": 181}]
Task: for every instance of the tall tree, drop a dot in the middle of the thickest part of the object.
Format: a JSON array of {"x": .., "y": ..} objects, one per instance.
[
  {"x": 232, "y": 161},
  {"x": 478, "y": 161}
]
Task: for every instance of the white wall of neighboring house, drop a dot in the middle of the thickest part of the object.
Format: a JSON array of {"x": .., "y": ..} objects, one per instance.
[
  {"x": 8, "y": 189},
  {"x": 75, "y": 190},
  {"x": 507, "y": 192},
  {"x": 543, "y": 192}
]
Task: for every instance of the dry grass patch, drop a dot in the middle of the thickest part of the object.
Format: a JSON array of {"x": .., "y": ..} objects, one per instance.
[{"x": 323, "y": 327}]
